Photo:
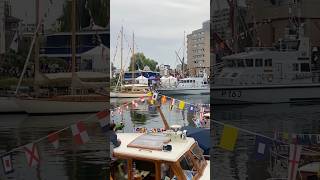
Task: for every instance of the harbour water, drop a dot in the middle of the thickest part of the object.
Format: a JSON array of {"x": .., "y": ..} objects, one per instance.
[
  {"x": 71, "y": 161},
  {"x": 264, "y": 119}
]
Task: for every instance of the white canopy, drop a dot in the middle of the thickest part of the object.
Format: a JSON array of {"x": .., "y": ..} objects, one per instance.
[
  {"x": 168, "y": 81},
  {"x": 142, "y": 80}
]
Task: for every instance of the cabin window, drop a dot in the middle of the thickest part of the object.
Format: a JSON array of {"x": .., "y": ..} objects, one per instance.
[
  {"x": 188, "y": 166},
  {"x": 258, "y": 63},
  {"x": 295, "y": 67},
  {"x": 249, "y": 62},
  {"x": 268, "y": 62},
  {"x": 240, "y": 63},
  {"x": 305, "y": 67}
]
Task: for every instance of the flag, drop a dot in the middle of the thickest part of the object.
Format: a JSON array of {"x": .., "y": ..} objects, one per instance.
[
  {"x": 134, "y": 104},
  {"x": 163, "y": 99},
  {"x": 32, "y": 154},
  {"x": 201, "y": 112},
  {"x": 191, "y": 108},
  {"x": 262, "y": 146},
  {"x": 294, "y": 158},
  {"x": 79, "y": 133},
  {"x": 14, "y": 43},
  {"x": 53, "y": 138},
  {"x": 229, "y": 138},
  {"x": 171, "y": 104},
  {"x": 142, "y": 99},
  {"x": 102, "y": 114},
  {"x": 155, "y": 96},
  {"x": 149, "y": 94},
  {"x": 7, "y": 164},
  {"x": 181, "y": 105}
]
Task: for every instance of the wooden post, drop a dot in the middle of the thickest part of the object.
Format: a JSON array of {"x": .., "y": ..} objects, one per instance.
[
  {"x": 130, "y": 173},
  {"x": 166, "y": 125},
  {"x": 158, "y": 170}
]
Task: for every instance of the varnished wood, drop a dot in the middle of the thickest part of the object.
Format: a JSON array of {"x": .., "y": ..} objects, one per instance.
[{"x": 130, "y": 172}]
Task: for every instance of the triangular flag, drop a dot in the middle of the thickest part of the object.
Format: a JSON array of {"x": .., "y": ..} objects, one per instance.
[
  {"x": 7, "y": 164},
  {"x": 229, "y": 138},
  {"x": 32, "y": 154},
  {"x": 102, "y": 114},
  {"x": 53, "y": 138},
  {"x": 181, "y": 105},
  {"x": 262, "y": 146},
  {"x": 163, "y": 99},
  {"x": 294, "y": 158},
  {"x": 79, "y": 133},
  {"x": 155, "y": 96}
]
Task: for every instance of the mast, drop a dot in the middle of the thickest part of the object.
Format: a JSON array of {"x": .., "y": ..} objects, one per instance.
[
  {"x": 133, "y": 62},
  {"x": 36, "y": 51},
  {"x": 184, "y": 49},
  {"x": 121, "y": 55},
  {"x": 73, "y": 46},
  {"x": 2, "y": 28},
  {"x": 235, "y": 26}
]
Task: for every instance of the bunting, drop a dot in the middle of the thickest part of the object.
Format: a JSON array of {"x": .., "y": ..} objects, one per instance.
[
  {"x": 32, "y": 154},
  {"x": 229, "y": 138},
  {"x": 7, "y": 164}
]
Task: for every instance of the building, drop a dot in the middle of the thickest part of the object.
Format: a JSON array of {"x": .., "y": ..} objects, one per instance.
[
  {"x": 198, "y": 50},
  {"x": 165, "y": 70},
  {"x": 271, "y": 18}
]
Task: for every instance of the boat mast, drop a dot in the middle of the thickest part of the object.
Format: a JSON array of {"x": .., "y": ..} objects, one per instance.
[
  {"x": 133, "y": 62},
  {"x": 73, "y": 46},
  {"x": 36, "y": 51},
  {"x": 121, "y": 55},
  {"x": 184, "y": 49}
]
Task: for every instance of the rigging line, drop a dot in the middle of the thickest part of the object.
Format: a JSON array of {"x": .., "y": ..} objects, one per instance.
[{"x": 116, "y": 49}]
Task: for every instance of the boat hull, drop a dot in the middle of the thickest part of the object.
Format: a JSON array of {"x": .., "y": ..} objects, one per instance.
[
  {"x": 265, "y": 94},
  {"x": 126, "y": 95},
  {"x": 9, "y": 105},
  {"x": 49, "y": 106},
  {"x": 184, "y": 91}
]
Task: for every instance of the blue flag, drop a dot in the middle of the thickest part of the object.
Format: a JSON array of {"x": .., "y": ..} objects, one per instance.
[
  {"x": 191, "y": 108},
  {"x": 262, "y": 147}
]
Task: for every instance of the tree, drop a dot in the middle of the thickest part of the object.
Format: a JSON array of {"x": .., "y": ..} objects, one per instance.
[
  {"x": 99, "y": 9},
  {"x": 141, "y": 61}
]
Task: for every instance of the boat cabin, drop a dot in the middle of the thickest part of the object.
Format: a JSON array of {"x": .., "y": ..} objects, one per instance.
[
  {"x": 158, "y": 157},
  {"x": 192, "y": 82}
]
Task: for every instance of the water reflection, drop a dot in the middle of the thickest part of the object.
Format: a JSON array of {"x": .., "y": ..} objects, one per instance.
[
  {"x": 264, "y": 119},
  {"x": 68, "y": 162}
]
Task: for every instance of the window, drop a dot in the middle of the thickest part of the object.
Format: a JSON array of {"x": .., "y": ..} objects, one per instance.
[
  {"x": 268, "y": 62},
  {"x": 240, "y": 63},
  {"x": 249, "y": 62},
  {"x": 295, "y": 67},
  {"x": 305, "y": 67},
  {"x": 258, "y": 63}
]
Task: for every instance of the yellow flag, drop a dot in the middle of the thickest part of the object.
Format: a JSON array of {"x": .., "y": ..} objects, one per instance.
[
  {"x": 151, "y": 101},
  {"x": 229, "y": 138},
  {"x": 181, "y": 105},
  {"x": 163, "y": 99},
  {"x": 149, "y": 94}
]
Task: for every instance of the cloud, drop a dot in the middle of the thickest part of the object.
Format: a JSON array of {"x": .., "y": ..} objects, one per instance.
[{"x": 158, "y": 25}]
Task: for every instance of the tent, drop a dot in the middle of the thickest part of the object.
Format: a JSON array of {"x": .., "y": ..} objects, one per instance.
[
  {"x": 168, "y": 81},
  {"x": 142, "y": 80}
]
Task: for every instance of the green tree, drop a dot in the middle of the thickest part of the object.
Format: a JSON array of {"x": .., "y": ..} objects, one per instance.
[
  {"x": 99, "y": 9},
  {"x": 141, "y": 61}
]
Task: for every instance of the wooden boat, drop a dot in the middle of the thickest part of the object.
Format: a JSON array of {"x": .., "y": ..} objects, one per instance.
[{"x": 141, "y": 156}]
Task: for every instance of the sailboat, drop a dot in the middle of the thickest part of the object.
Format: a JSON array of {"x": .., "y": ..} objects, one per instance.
[
  {"x": 82, "y": 97},
  {"x": 129, "y": 90}
]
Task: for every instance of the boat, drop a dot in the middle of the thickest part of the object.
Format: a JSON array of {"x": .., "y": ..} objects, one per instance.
[
  {"x": 280, "y": 74},
  {"x": 156, "y": 156},
  {"x": 79, "y": 95},
  {"x": 187, "y": 86},
  {"x": 131, "y": 91}
]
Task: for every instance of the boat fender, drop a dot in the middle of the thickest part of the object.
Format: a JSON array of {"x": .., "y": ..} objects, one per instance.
[{"x": 167, "y": 147}]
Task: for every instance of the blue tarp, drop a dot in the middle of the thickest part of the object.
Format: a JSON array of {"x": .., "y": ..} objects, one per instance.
[{"x": 201, "y": 135}]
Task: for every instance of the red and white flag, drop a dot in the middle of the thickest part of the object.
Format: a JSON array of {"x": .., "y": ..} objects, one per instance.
[
  {"x": 7, "y": 163},
  {"x": 32, "y": 154},
  {"x": 53, "y": 138},
  {"x": 294, "y": 158},
  {"x": 79, "y": 133},
  {"x": 134, "y": 104},
  {"x": 201, "y": 113},
  {"x": 102, "y": 114},
  {"x": 142, "y": 99}
]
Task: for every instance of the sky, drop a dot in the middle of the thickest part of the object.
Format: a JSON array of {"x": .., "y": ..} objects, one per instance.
[{"x": 158, "y": 26}]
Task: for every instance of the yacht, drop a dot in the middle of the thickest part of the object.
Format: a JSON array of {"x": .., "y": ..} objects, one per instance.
[
  {"x": 283, "y": 73},
  {"x": 187, "y": 86}
]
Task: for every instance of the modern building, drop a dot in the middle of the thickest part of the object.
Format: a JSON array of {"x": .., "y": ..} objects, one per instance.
[
  {"x": 198, "y": 50},
  {"x": 165, "y": 69},
  {"x": 271, "y": 18}
]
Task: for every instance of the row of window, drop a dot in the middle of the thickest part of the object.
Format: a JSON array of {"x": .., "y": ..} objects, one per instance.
[
  {"x": 198, "y": 56},
  {"x": 249, "y": 63},
  {"x": 304, "y": 67},
  {"x": 198, "y": 50}
]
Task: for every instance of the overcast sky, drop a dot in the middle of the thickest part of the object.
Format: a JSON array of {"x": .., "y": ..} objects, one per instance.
[{"x": 158, "y": 26}]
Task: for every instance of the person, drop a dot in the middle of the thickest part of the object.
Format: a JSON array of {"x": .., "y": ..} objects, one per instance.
[{"x": 114, "y": 141}]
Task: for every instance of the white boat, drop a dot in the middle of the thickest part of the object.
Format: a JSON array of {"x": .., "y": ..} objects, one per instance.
[
  {"x": 143, "y": 156},
  {"x": 187, "y": 86},
  {"x": 8, "y": 105},
  {"x": 268, "y": 75},
  {"x": 130, "y": 91},
  {"x": 64, "y": 104}
]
